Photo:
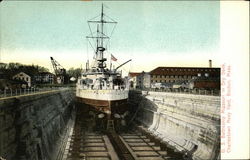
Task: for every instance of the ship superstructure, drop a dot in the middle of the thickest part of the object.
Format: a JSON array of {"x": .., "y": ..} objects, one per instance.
[{"x": 101, "y": 87}]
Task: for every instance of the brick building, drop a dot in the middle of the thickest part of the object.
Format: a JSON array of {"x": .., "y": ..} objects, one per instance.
[{"x": 175, "y": 74}]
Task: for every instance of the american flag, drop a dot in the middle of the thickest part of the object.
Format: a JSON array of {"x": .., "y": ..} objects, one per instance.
[{"x": 113, "y": 58}]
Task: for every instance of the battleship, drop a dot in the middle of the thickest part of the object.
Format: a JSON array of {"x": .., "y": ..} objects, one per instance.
[{"x": 100, "y": 87}]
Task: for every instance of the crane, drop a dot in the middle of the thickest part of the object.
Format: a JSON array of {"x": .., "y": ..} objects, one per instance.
[{"x": 60, "y": 72}]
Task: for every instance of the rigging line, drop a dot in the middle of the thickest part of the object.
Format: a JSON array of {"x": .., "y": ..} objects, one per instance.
[
  {"x": 87, "y": 50},
  {"x": 113, "y": 30},
  {"x": 111, "y": 33},
  {"x": 91, "y": 33},
  {"x": 104, "y": 35},
  {"x": 95, "y": 17},
  {"x": 105, "y": 30},
  {"x": 106, "y": 6},
  {"x": 109, "y": 18},
  {"x": 108, "y": 53},
  {"x": 91, "y": 45}
]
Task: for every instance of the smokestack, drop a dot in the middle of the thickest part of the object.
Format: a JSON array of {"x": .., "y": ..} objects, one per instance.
[{"x": 210, "y": 63}]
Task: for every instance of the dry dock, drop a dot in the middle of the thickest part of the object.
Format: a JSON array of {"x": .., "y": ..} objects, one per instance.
[{"x": 160, "y": 125}]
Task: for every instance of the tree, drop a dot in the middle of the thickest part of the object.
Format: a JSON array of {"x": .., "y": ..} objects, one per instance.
[
  {"x": 11, "y": 69},
  {"x": 74, "y": 72}
]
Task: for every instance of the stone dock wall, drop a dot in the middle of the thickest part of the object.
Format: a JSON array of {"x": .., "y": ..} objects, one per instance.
[
  {"x": 188, "y": 123},
  {"x": 31, "y": 125}
]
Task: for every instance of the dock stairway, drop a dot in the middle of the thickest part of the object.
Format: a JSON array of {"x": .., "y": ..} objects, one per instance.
[{"x": 110, "y": 125}]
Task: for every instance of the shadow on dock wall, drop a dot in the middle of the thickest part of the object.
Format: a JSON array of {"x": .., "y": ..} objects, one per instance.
[
  {"x": 187, "y": 123},
  {"x": 30, "y": 126}
]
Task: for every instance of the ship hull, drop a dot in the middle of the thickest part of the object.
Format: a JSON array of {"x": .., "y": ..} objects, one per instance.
[
  {"x": 103, "y": 106},
  {"x": 105, "y": 101}
]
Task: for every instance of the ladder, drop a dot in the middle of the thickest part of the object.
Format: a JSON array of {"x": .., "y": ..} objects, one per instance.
[{"x": 110, "y": 125}]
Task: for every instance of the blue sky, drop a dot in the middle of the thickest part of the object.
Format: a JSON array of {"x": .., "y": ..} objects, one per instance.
[{"x": 167, "y": 33}]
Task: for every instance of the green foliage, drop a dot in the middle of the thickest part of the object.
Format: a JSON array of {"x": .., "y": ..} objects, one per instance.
[
  {"x": 10, "y": 69},
  {"x": 74, "y": 72}
]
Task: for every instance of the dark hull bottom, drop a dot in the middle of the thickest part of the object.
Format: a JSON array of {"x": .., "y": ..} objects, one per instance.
[
  {"x": 108, "y": 107},
  {"x": 84, "y": 107}
]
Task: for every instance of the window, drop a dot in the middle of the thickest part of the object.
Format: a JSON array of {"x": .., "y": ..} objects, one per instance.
[{"x": 27, "y": 78}]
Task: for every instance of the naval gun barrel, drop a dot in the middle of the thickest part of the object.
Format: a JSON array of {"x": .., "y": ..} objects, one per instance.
[{"x": 122, "y": 64}]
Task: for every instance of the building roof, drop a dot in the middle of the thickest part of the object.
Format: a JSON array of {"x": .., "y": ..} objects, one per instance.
[
  {"x": 134, "y": 74},
  {"x": 184, "y": 71},
  {"x": 21, "y": 73}
]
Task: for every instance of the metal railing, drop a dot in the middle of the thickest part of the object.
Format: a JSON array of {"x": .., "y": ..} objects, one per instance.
[
  {"x": 183, "y": 91},
  {"x": 18, "y": 92}
]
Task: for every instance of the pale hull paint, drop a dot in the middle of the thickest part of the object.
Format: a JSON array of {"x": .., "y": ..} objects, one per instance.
[
  {"x": 105, "y": 101},
  {"x": 107, "y": 95},
  {"x": 108, "y": 107}
]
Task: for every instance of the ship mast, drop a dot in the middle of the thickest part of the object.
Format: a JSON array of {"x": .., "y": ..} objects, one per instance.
[
  {"x": 102, "y": 27},
  {"x": 100, "y": 36}
]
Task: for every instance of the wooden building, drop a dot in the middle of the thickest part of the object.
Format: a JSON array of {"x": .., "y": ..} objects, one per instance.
[
  {"x": 23, "y": 77},
  {"x": 133, "y": 79}
]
